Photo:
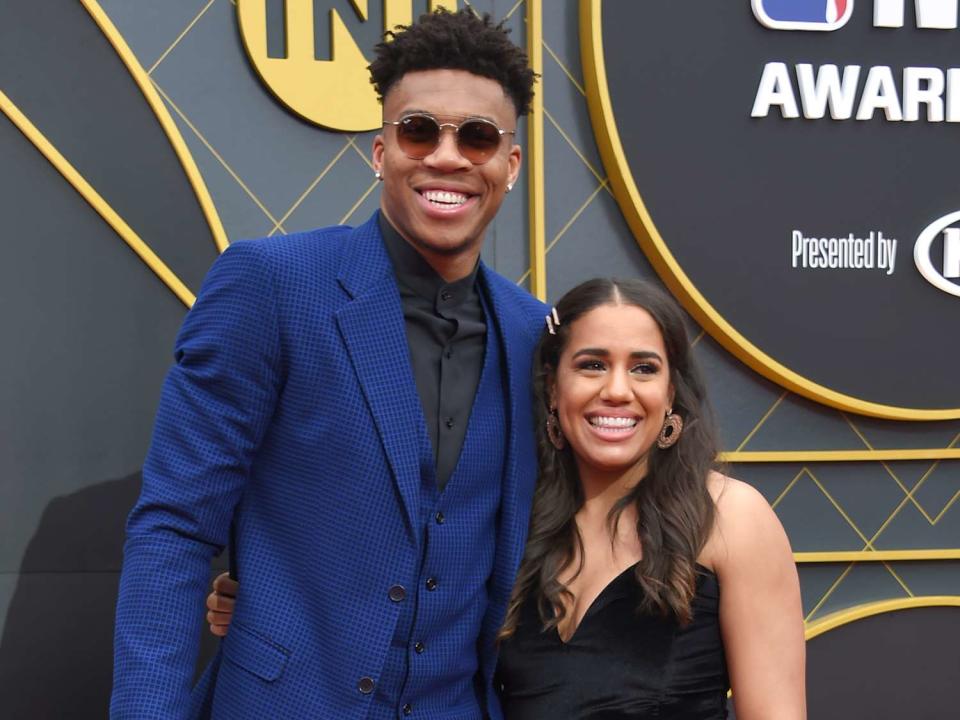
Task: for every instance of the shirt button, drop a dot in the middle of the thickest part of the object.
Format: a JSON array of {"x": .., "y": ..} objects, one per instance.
[
  {"x": 448, "y": 354},
  {"x": 446, "y": 295},
  {"x": 431, "y": 584},
  {"x": 365, "y": 685},
  {"x": 449, "y": 422},
  {"x": 407, "y": 709},
  {"x": 397, "y": 593},
  {"x": 439, "y": 518},
  {"x": 419, "y": 647}
]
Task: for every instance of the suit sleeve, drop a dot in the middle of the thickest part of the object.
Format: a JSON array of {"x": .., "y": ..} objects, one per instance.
[{"x": 215, "y": 406}]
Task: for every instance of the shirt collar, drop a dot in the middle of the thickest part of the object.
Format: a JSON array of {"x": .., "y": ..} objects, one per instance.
[{"x": 416, "y": 274}]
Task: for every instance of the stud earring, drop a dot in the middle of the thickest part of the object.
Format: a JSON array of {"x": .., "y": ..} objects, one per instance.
[
  {"x": 509, "y": 187},
  {"x": 670, "y": 432},
  {"x": 378, "y": 175},
  {"x": 554, "y": 432}
]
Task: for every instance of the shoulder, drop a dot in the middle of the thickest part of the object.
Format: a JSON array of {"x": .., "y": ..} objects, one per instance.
[
  {"x": 293, "y": 250},
  {"x": 288, "y": 265},
  {"x": 515, "y": 299},
  {"x": 745, "y": 526},
  {"x": 735, "y": 497}
]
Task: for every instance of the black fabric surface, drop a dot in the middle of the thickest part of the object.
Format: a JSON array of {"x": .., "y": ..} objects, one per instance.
[{"x": 619, "y": 664}]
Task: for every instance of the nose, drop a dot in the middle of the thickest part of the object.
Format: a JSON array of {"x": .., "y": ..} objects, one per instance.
[
  {"x": 446, "y": 156},
  {"x": 616, "y": 387}
]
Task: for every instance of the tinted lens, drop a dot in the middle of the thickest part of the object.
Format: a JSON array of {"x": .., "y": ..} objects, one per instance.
[
  {"x": 478, "y": 140},
  {"x": 418, "y": 135}
]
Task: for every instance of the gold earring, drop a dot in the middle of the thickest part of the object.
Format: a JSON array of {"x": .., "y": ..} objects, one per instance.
[
  {"x": 554, "y": 431},
  {"x": 670, "y": 432}
]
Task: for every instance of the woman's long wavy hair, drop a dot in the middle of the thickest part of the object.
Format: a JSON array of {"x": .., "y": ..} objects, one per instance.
[{"x": 675, "y": 512}]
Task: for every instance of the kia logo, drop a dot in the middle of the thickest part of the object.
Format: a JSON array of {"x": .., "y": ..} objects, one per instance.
[{"x": 951, "y": 253}]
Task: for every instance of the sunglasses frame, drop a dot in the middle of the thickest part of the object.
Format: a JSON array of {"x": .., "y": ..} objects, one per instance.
[{"x": 456, "y": 129}]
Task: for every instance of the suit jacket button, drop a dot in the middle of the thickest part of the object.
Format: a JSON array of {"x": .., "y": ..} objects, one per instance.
[
  {"x": 419, "y": 647},
  {"x": 431, "y": 583},
  {"x": 365, "y": 685},
  {"x": 397, "y": 593},
  {"x": 407, "y": 709}
]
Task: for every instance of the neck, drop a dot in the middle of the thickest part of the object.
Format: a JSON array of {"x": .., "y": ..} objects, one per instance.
[
  {"x": 602, "y": 489},
  {"x": 450, "y": 267}
]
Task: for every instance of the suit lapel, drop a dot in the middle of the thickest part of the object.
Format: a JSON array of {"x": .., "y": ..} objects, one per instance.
[
  {"x": 373, "y": 331},
  {"x": 520, "y": 460}
]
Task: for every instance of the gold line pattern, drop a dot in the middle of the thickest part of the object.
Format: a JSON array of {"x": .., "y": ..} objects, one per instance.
[
  {"x": 352, "y": 210},
  {"x": 563, "y": 134},
  {"x": 566, "y": 70},
  {"x": 855, "y": 556},
  {"x": 180, "y": 37},
  {"x": 513, "y": 9},
  {"x": 218, "y": 157},
  {"x": 536, "y": 209},
  {"x": 96, "y": 201},
  {"x": 311, "y": 186},
  {"x": 788, "y": 488},
  {"x": 361, "y": 153},
  {"x": 167, "y": 124},
  {"x": 791, "y": 456},
  {"x": 837, "y": 619},
  {"x": 826, "y": 596},
  {"x": 898, "y": 578},
  {"x": 839, "y": 509},
  {"x": 766, "y": 416},
  {"x": 907, "y": 499},
  {"x": 576, "y": 214}
]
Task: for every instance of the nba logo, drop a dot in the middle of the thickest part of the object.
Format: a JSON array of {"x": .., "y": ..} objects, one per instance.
[{"x": 822, "y": 15}]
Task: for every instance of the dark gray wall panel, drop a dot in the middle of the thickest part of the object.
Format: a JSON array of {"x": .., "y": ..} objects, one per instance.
[
  {"x": 897, "y": 665},
  {"x": 73, "y": 86}
]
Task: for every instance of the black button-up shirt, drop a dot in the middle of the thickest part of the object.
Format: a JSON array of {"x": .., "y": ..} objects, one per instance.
[{"x": 446, "y": 333}]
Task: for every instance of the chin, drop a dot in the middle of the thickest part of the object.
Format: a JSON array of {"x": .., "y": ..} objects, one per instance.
[
  {"x": 445, "y": 245},
  {"x": 613, "y": 465}
]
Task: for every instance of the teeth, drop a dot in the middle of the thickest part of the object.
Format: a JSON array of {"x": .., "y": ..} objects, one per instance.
[
  {"x": 442, "y": 197},
  {"x": 613, "y": 422}
]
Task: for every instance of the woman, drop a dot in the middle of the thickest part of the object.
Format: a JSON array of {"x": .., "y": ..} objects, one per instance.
[{"x": 649, "y": 578}]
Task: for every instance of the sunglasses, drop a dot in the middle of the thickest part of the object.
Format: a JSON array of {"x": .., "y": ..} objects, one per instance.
[{"x": 418, "y": 135}]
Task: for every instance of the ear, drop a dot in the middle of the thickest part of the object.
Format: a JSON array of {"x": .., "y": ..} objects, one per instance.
[
  {"x": 671, "y": 395},
  {"x": 377, "y": 153},
  {"x": 514, "y": 162},
  {"x": 551, "y": 387}
]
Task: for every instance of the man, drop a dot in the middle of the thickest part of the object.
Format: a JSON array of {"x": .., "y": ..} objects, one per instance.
[{"x": 355, "y": 403}]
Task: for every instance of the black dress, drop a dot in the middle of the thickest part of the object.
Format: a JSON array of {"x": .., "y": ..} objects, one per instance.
[{"x": 619, "y": 664}]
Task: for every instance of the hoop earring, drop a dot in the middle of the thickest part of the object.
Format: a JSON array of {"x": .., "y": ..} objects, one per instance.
[
  {"x": 670, "y": 432},
  {"x": 554, "y": 432}
]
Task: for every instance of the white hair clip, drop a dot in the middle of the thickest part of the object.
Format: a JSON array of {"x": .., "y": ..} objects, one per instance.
[{"x": 553, "y": 321}]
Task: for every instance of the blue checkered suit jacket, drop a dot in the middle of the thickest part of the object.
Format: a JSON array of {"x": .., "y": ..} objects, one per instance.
[{"x": 291, "y": 412}]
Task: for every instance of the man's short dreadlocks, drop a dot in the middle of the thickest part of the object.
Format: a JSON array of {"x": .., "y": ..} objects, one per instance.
[{"x": 454, "y": 41}]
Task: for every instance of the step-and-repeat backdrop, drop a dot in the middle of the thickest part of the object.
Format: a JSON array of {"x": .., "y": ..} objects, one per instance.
[{"x": 786, "y": 168}]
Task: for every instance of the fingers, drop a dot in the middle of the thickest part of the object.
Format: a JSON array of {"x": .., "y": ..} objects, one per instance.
[
  {"x": 219, "y": 622},
  {"x": 225, "y": 586},
  {"x": 220, "y": 604}
]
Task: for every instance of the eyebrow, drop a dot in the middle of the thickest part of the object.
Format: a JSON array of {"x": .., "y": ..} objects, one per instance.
[
  {"x": 415, "y": 111},
  {"x": 601, "y": 352}
]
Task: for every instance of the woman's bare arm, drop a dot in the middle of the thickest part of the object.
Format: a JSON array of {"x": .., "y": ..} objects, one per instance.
[{"x": 761, "y": 614}]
